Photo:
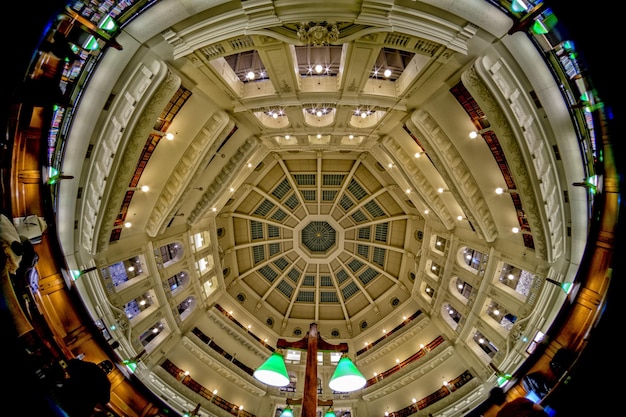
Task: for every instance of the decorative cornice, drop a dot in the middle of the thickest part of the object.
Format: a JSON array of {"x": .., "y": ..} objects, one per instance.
[
  {"x": 409, "y": 373},
  {"x": 318, "y": 34},
  {"x": 216, "y": 189},
  {"x": 234, "y": 332},
  {"x": 456, "y": 174},
  {"x": 131, "y": 148},
  {"x": 489, "y": 105},
  {"x": 393, "y": 342},
  {"x": 419, "y": 182},
  {"x": 197, "y": 153},
  {"x": 221, "y": 366}
]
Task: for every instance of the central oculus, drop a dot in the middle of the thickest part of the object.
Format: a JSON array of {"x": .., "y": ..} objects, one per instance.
[{"x": 318, "y": 237}]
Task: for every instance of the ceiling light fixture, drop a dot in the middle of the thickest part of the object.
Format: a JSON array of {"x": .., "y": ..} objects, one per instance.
[
  {"x": 287, "y": 412},
  {"x": 346, "y": 377},
  {"x": 273, "y": 371}
]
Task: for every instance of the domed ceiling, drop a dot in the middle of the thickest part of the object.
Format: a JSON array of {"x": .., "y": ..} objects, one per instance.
[
  {"x": 320, "y": 236},
  {"x": 323, "y": 183},
  {"x": 320, "y": 150}
]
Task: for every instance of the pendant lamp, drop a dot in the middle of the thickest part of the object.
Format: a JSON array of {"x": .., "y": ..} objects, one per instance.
[
  {"x": 346, "y": 377},
  {"x": 273, "y": 371},
  {"x": 330, "y": 413},
  {"x": 287, "y": 412}
]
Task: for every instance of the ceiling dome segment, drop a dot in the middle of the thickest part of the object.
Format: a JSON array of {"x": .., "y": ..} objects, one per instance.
[{"x": 320, "y": 236}]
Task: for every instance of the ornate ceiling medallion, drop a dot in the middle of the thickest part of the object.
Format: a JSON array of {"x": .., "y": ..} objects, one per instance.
[{"x": 318, "y": 34}]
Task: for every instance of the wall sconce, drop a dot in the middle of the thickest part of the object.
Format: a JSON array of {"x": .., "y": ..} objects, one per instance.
[
  {"x": 77, "y": 274},
  {"x": 565, "y": 286},
  {"x": 166, "y": 135},
  {"x": 143, "y": 188}
]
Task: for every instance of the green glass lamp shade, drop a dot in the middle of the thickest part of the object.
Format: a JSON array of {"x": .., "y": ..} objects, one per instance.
[
  {"x": 346, "y": 377},
  {"x": 330, "y": 413},
  {"x": 567, "y": 287},
  {"x": 273, "y": 371},
  {"x": 287, "y": 412}
]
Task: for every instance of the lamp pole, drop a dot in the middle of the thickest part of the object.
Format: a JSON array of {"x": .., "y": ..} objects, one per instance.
[{"x": 312, "y": 343}]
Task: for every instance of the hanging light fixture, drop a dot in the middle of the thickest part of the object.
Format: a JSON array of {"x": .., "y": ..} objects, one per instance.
[
  {"x": 287, "y": 412},
  {"x": 346, "y": 377},
  {"x": 329, "y": 413},
  {"x": 273, "y": 371}
]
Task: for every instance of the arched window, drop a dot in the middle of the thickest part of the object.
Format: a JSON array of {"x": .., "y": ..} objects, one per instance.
[
  {"x": 472, "y": 260},
  {"x": 463, "y": 288},
  {"x": 169, "y": 254},
  {"x": 450, "y": 315}
]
